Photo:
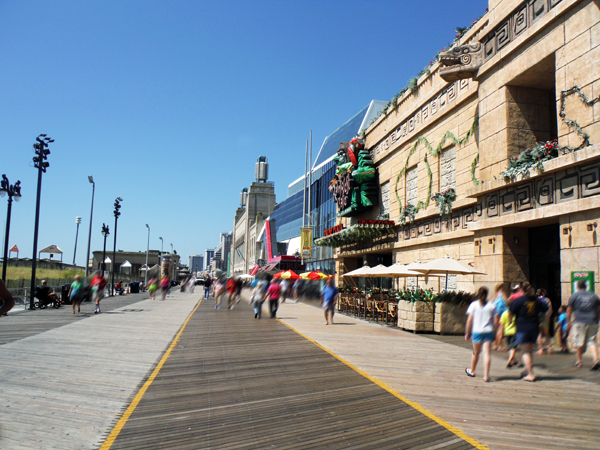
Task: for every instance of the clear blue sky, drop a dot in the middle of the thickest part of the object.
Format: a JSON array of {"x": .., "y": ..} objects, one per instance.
[{"x": 169, "y": 104}]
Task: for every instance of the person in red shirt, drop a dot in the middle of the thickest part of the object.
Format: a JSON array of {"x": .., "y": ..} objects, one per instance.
[
  {"x": 273, "y": 294},
  {"x": 231, "y": 291},
  {"x": 98, "y": 285}
]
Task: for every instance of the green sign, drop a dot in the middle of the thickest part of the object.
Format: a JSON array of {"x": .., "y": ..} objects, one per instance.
[{"x": 586, "y": 276}]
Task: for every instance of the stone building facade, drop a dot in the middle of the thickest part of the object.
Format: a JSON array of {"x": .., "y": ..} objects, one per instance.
[
  {"x": 247, "y": 225},
  {"x": 525, "y": 73}
]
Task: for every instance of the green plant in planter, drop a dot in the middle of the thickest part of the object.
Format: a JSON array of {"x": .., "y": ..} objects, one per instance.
[
  {"x": 455, "y": 298},
  {"x": 532, "y": 158},
  {"x": 444, "y": 200},
  {"x": 408, "y": 214}
]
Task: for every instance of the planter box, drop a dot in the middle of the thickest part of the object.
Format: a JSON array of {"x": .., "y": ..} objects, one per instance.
[
  {"x": 416, "y": 316},
  {"x": 450, "y": 318},
  {"x": 403, "y": 310}
]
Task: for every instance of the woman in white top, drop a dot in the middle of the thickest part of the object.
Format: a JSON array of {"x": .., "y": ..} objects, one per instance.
[{"x": 480, "y": 328}]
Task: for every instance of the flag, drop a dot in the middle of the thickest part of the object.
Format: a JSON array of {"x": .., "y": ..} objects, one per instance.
[{"x": 306, "y": 242}]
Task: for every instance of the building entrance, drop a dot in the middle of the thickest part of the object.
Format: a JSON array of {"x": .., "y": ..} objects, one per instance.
[{"x": 544, "y": 261}]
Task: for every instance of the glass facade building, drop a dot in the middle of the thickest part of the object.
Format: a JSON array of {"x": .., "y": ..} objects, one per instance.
[{"x": 320, "y": 208}]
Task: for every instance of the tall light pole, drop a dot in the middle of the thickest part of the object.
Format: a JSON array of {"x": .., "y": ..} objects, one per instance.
[
  {"x": 161, "y": 245},
  {"x": 171, "y": 248},
  {"x": 12, "y": 192},
  {"x": 117, "y": 213},
  {"x": 77, "y": 221},
  {"x": 39, "y": 162},
  {"x": 105, "y": 233},
  {"x": 147, "y": 251},
  {"x": 87, "y": 256}
]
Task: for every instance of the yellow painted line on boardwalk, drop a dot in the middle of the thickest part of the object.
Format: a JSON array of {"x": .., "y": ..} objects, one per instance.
[
  {"x": 125, "y": 417},
  {"x": 457, "y": 431}
]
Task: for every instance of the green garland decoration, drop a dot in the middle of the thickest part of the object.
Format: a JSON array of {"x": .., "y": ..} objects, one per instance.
[
  {"x": 572, "y": 124},
  {"x": 474, "y": 164},
  {"x": 435, "y": 152}
]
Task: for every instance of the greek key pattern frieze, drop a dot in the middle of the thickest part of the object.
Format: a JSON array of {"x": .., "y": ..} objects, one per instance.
[
  {"x": 559, "y": 187},
  {"x": 527, "y": 14},
  {"x": 424, "y": 115},
  {"x": 566, "y": 185}
]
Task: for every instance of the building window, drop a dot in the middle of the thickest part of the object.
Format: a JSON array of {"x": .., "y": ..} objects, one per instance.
[
  {"x": 412, "y": 186},
  {"x": 448, "y": 169}
]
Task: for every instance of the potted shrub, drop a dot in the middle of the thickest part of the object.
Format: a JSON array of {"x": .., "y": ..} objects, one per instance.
[{"x": 451, "y": 311}]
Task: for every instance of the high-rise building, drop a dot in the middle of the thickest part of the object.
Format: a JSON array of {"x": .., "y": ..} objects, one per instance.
[
  {"x": 209, "y": 254},
  {"x": 196, "y": 263},
  {"x": 222, "y": 251}
]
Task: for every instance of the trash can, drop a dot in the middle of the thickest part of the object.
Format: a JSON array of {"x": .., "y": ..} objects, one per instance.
[
  {"x": 134, "y": 287},
  {"x": 64, "y": 294}
]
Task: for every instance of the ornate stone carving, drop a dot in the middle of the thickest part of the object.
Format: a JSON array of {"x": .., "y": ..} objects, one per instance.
[
  {"x": 461, "y": 62},
  {"x": 519, "y": 20}
]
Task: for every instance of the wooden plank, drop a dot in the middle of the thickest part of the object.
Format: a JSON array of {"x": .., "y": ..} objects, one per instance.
[
  {"x": 557, "y": 412},
  {"x": 239, "y": 383}
]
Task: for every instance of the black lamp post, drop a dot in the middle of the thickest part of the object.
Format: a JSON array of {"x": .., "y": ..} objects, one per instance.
[
  {"x": 39, "y": 162},
  {"x": 105, "y": 233},
  {"x": 11, "y": 191},
  {"x": 117, "y": 214}
]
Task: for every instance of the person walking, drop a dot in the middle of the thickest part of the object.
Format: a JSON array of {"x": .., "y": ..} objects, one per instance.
[
  {"x": 562, "y": 327},
  {"x": 165, "y": 285},
  {"x": 8, "y": 301},
  {"x": 238, "y": 289},
  {"x": 527, "y": 310},
  {"x": 219, "y": 291},
  {"x": 152, "y": 286},
  {"x": 231, "y": 290},
  {"x": 500, "y": 305},
  {"x": 584, "y": 328},
  {"x": 98, "y": 286},
  {"x": 480, "y": 329},
  {"x": 544, "y": 337},
  {"x": 273, "y": 294},
  {"x": 508, "y": 330},
  {"x": 258, "y": 295},
  {"x": 207, "y": 284},
  {"x": 329, "y": 296},
  {"x": 76, "y": 293},
  {"x": 192, "y": 284}
]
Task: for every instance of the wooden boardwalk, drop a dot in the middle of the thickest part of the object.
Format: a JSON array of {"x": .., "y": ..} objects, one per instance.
[
  {"x": 233, "y": 382},
  {"x": 20, "y": 324},
  {"x": 65, "y": 379},
  {"x": 559, "y": 412}
]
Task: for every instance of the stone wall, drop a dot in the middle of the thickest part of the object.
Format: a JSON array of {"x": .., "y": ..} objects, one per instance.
[
  {"x": 412, "y": 186},
  {"x": 448, "y": 169},
  {"x": 534, "y": 50},
  {"x": 579, "y": 247}
]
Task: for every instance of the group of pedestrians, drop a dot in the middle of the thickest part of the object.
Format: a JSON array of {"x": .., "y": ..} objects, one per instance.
[{"x": 523, "y": 319}]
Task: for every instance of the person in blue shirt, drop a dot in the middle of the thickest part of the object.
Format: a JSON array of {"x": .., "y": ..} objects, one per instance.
[
  {"x": 329, "y": 296},
  {"x": 562, "y": 327}
]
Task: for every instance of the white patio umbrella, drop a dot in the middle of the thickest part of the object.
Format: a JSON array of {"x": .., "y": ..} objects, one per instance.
[
  {"x": 362, "y": 272},
  {"x": 445, "y": 266},
  {"x": 394, "y": 271}
]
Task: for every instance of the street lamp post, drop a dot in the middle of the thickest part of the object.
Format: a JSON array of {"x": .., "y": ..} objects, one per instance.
[
  {"x": 171, "y": 248},
  {"x": 161, "y": 245},
  {"x": 117, "y": 213},
  {"x": 11, "y": 191},
  {"x": 77, "y": 221},
  {"x": 105, "y": 233},
  {"x": 147, "y": 251},
  {"x": 39, "y": 162},
  {"x": 87, "y": 256}
]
